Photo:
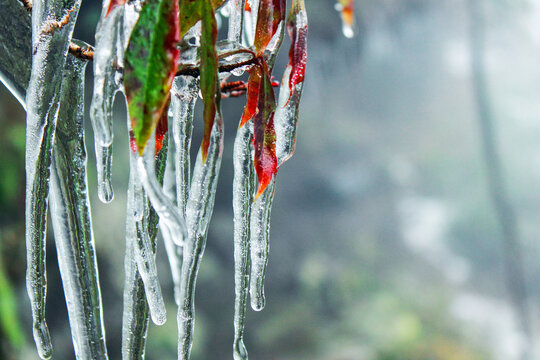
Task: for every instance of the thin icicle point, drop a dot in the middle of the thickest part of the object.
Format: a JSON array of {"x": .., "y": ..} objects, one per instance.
[
  {"x": 259, "y": 245},
  {"x": 71, "y": 219},
  {"x": 236, "y": 20},
  {"x": 52, "y": 27},
  {"x": 136, "y": 310},
  {"x": 104, "y": 166},
  {"x": 243, "y": 188},
  {"x": 198, "y": 213}
]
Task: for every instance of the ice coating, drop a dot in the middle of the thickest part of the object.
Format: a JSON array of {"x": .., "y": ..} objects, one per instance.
[
  {"x": 71, "y": 219},
  {"x": 236, "y": 20},
  {"x": 136, "y": 309},
  {"x": 250, "y": 22},
  {"x": 243, "y": 188},
  {"x": 198, "y": 213},
  {"x": 104, "y": 169},
  {"x": 259, "y": 245},
  {"x": 286, "y": 118},
  {"x": 52, "y": 27}
]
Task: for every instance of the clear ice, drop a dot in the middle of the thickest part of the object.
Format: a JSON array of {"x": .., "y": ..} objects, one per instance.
[
  {"x": 199, "y": 210},
  {"x": 52, "y": 27}
]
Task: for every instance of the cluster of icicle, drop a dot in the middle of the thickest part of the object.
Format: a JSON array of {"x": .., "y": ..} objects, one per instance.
[{"x": 164, "y": 192}]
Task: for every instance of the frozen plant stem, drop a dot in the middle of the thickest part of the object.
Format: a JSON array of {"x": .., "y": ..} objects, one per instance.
[
  {"x": 71, "y": 219},
  {"x": 243, "y": 187},
  {"x": 52, "y": 26},
  {"x": 198, "y": 213}
]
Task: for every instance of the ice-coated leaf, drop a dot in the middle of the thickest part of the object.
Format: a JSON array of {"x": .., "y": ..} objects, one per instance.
[
  {"x": 150, "y": 65},
  {"x": 191, "y": 11},
  {"x": 252, "y": 95},
  {"x": 209, "y": 72},
  {"x": 271, "y": 14},
  {"x": 162, "y": 127},
  {"x": 297, "y": 28},
  {"x": 264, "y": 138}
]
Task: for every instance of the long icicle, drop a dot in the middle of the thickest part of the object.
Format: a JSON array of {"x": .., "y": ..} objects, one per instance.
[
  {"x": 198, "y": 213},
  {"x": 71, "y": 219},
  {"x": 136, "y": 310},
  {"x": 259, "y": 245},
  {"x": 236, "y": 20},
  {"x": 50, "y": 45},
  {"x": 184, "y": 94},
  {"x": 108, "y": 57},
  {"x": 243, "y": 188}
]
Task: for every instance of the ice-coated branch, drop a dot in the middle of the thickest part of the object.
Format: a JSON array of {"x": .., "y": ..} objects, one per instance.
[
  {"x": 52, "y": 26},
  {"x": 71, "y": 219}
]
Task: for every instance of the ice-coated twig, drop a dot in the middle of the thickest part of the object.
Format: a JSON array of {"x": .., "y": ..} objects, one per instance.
[
  {"x": 236, "y": 20},
  {"x": 198, "y": 213},
  {"x": 250, "y": 22},
  {"x": 52, "y": 27},
  {"x": 259, "y": 245},
  {"x": 135, "y": 317},
  {"x": 243, "y": 188},
  {"x": 71, "y": 219},
  {"x": 108, "y": 57}
]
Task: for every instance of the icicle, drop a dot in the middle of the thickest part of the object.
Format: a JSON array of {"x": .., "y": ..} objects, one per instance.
[
  {"x": 50, "y": 45},
  {"x": 174, "y": 252},
  {"x": 184, "y": 94},
  {"x": 346, "y": 8},
  {"x": 198, "y": 212},
  {"x": 259, "y": 245},
  {"x": 135, "y": 317},
  {"x": 236, "y": 20},
  {"x": 71, "y": 219},
  {"x": 108, "y": 57},
  {"x": 145, "y": 251},
  {"x": 243, "y": 188}
]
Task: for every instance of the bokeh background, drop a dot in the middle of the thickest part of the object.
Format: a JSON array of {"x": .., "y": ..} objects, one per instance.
[{"x": 406, "y": 225}]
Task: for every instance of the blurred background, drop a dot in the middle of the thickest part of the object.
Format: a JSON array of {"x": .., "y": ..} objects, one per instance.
[{"x": 404, "y": 227}]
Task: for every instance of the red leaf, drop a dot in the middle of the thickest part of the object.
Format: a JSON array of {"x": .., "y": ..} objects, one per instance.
[
  {"x": 113, "y": 4},
  {"x": 162, "y": 127},
  {"x": 264, "y": 134},
  {"x": 254, "y": 83},
  {"x": 271, "y": 14},
  {"x": 297, "y": 28}
]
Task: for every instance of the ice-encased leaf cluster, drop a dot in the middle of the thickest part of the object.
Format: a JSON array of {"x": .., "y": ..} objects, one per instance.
[{"x": 165, "y": 192}]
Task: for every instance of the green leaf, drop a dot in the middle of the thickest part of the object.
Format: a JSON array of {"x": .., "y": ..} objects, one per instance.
[
  {"x": 150, "y": 66},
  {"x": 191, "y": 12}
]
